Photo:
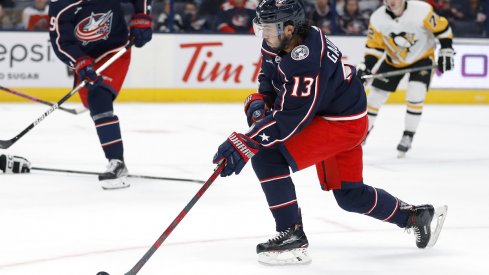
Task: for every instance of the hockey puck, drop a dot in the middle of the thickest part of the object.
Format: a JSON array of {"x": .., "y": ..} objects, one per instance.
[{"x": 103, "y": 273}]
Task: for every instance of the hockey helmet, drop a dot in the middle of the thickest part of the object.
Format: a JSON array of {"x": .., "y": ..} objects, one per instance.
[{"x": 271, "y": 16}]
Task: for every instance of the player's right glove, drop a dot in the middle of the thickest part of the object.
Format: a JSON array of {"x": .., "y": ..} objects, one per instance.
[
  {"x": 13, "y": 164},
  {"x": 254, "y": 108},
  {"x": 85, "y": 70},
  {"x": 141, "y": 29},
  {"x": 445, "y": 59},
  {"x": 362, "y": 70},
  {"x": 236, "y": 151}
]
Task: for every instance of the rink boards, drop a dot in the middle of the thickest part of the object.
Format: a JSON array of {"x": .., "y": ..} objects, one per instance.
[{"x": 211, "y": 68}]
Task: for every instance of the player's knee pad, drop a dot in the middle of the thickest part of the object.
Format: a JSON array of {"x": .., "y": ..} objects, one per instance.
[
  {"x": 416, "y": 92},
  {"x": 376, "y": 98},
  {"x": 268, "y": 163},
  {"x": 100, "y": 101}
]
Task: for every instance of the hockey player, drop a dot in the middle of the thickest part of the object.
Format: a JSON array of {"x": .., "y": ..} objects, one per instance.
[
  {"x": 310, "y": 109},
  {"x": 14, "y": 164},
  {"x": 406, "y": 32},
  {"x": 84, "y": 35}
]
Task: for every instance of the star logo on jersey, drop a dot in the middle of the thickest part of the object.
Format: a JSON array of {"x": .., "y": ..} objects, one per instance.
[
  {"x": 93, "y": 28},
  {"x": 300, "y": 52},
  {"x": 264, "y": 137}
]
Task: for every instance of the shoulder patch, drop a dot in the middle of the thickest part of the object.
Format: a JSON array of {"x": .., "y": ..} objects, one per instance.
[{"x": 300, "y": 52}]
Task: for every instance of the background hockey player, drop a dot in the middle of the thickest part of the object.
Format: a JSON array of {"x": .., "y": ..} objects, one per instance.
[
  {"x": 310, "y": 109},
  {"x": 406, "y": 31},
  {"x": 84, "y": 35}
]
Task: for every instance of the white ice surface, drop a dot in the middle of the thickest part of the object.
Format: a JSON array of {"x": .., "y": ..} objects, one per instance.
[{"x": 59, "y": 224}]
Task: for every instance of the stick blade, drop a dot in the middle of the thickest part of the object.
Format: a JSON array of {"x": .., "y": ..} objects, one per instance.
[{"x": 5, "y": 144}]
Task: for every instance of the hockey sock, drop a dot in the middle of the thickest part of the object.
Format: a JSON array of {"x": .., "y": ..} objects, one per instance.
[
  {"x": 109, "y": 133},
  {"x": 282, "y": 200},
  {"x": 100, "y": 103},
  {"x": 415, "y": 95},
  {"x": 375, "y": 99},
  {"x": 372, "y": 202}
]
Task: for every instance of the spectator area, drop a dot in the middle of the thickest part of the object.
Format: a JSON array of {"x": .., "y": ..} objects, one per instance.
[{"x": 468, "y": 18}]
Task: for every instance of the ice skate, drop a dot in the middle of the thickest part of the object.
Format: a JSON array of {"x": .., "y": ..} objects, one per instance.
[
  {"x": 115, "y": 177},
  {"x": 405, "y": 144},
  {"x": 286, "y": 248},
  {"x": 420, "y": 221}
]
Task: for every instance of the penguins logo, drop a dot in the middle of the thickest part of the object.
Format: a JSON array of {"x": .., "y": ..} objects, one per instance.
[{"x": 401, "y": 43}]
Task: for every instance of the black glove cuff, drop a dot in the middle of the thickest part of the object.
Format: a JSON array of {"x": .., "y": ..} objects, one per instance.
[
  {"x": 446, "y": 43},
  {"x": 370, "y": 61}
]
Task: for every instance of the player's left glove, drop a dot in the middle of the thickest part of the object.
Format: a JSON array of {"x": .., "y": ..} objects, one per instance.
[
  {"x": 140, "y": 29},
  {"x": 445, "y": 59},
  {"x": 255, "y": 108},
  {"x": 362, "y": 70},
  {"x": 236, "y": 151},
  {"x": 85, "y": 70},
  {"x": 13, "y": 164}
]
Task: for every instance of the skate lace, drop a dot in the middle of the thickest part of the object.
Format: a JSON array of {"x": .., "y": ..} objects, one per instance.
[
  {"x": 416, "y": 232},
  {"x": 112, "y": 165},
  {"x": 280, "y": 235}
]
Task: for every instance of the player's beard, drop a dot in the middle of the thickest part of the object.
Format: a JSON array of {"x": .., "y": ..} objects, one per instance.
[{"x": 284, "y": 44}]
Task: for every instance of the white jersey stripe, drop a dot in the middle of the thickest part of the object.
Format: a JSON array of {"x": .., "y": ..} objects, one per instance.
[{"x": 344, "y": 118}]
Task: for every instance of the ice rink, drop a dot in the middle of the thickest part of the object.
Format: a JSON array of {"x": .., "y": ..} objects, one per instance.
[{"x": 65, "y": 224}]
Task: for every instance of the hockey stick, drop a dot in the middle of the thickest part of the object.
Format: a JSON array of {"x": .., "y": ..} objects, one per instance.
[
  {"x": 35, "y": 99},
  {"x": 129, "y": 176},
  {"x": 399, "y": 72},
  {"x": 175, "y": 222},
  {"x": 4, "y": 144}
]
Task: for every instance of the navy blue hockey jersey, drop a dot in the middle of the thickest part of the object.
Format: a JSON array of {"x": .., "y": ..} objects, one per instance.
[
  {"x": 309, "y": 81},
  {"x": 89, "y": 27}
]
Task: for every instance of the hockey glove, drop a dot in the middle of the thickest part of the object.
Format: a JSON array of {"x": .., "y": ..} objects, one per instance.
[
  {"x": 140, "y": 28},
  {"x": 236, "y": 150},
  {"x": 13, "y": 164},
  {"x": 445, "y": 59},
  {"x": 84, "y": 69},
  {"x": 255, "y": 108},
  {"x": 362, "y": 70}
]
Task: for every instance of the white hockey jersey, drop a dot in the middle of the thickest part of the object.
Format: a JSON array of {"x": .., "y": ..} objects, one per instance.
[{"x": 407, "y": 38}]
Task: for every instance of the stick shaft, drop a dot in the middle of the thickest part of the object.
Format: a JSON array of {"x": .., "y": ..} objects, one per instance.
[
  {"x": 399, "y": 72},
  {"x": 35, "y": 99},
  {"x": 129, "y": 176},
  {"x": 175, "y": 222}
]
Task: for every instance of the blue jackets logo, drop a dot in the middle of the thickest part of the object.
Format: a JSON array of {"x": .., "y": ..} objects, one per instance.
[
  {"x": 300, "y": 52},
  {"x": 94, "y": 28}
]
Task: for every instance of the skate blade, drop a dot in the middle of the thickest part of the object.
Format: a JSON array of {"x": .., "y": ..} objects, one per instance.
[
  {"x": 401, "y": 154},
  {"x": 115, "y": 184},
  {"x": 439, "y": 216},
  {"x": 289, "y": 257}
]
